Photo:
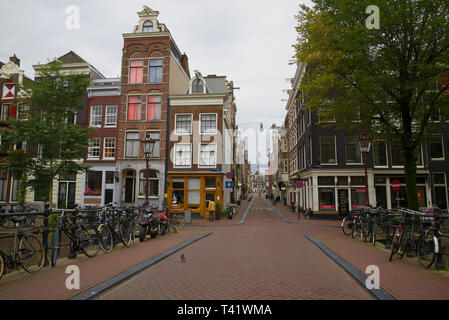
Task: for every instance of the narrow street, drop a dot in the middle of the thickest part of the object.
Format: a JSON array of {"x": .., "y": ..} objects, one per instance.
[{"x": 264, "y": 258}]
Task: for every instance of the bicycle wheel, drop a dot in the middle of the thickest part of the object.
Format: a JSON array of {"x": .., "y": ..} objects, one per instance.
[
  {"x": 374, "y": 234},
  {"x": 346, "y": 226},
  {"x": 396, "y": 242},
  {"x": 178, "y": 221},
  {"x": 365, "y": 231},
  {"x": 31, "y": 253},
  {"x": 89, "y": 241},
  {"x": 172, "y": 228},
  {"x": 356, "y": 229},
  {"x": 106, "y": 238},
  {"x": 126, "y": 233},
  {"x": 2, "y": 264},
  {"x": 426, "y": 250},
  {"x": 405, "y": 244},
  {"x": 55, "y": 247}
]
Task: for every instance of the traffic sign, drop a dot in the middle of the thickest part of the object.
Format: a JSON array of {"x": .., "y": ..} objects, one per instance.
[
  {"x": 396, "y": 185},
  {"x": 229, "y": 175},
  {"x": 229, "y": 184},
  {"x": 299, "y": 185}
]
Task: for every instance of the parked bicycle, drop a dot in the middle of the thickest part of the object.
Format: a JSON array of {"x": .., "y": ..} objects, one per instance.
[{"x": 28, "y": 250}]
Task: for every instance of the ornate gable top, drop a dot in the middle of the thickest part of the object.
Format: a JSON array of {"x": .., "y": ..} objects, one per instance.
[{"x": 147, "y": 12}]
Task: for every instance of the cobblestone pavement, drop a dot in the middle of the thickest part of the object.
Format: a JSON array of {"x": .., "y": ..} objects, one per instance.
[{"x": 265, "y": 258}]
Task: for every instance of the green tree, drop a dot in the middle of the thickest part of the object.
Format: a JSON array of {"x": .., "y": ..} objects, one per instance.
[
  {"x": 54, "y": 143},
  {"x": 390, "y": 80}
]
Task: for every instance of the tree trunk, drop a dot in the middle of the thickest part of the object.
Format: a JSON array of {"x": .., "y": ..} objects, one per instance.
[{"x": 410, "y": 175}]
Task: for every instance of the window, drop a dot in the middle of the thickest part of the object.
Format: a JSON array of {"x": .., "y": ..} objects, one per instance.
[
  {"x": 358, "y": 197},
  {"x": 147, "y": 26},
  {"x": 154, "y": 108},
  {"x": 197, "y": 86},
  {"x": 109, "y": 148},
  {"x": 6, "y": 110},
  {"x": 94, "y": 149},
  {"x": 211, "y": 183},
  {"x": 95, "y": 116},
  {"x": 436, "y": 147},
  {"x": 358, "y": 181},
  {"x": 14, "y": 188},
  {"x": 134, "y": 108},
  {"x": 178, "y": 191},
  {"x": 328, "y": 155},
  {"x": 22, "y": 111},
  {"x": 326, "y": 181},
  {"x": 136, "y": 71},
  {"x": 353, "y": 154},
  {"x": 208, "y": 123},
  {"x": 71, "y": 117},
  {"x": 110, "y": 177},
  {"x": 183, "y": 155},
  {"x": 132, "y": 145},
  {"x": 327, "y": 199},
  {"x": 111, "y": 117},
  {"x": 93, "y": 183},
  {"x": 439, "y": 180},
  {"x": 3, "y": 184},
  {"x": 380, "y": 154},
  {"x": 157, "y": 144},
  {"x": 153, "y": 183},
  {"x": 194, "y": 191},
  {"x": 208, "y": 155},
  {"x": 155, "y": 71},
  {"x": 285, "y": 166},
  {"x": 183, "y": 124}
]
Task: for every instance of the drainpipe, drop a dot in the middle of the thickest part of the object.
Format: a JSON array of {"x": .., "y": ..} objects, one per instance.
[{"x": 167, "y": 144}]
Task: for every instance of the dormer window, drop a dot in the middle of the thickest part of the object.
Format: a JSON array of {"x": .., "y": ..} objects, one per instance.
[
  {"x": 197, "y": 86},
  {"x": 147, "y": 26}
]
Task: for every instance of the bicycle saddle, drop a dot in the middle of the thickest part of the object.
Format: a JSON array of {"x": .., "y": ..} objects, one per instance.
[{"x": 18, "y": 219}]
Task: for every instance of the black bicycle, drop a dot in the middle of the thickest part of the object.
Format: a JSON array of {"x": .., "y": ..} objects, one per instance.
[
  {"x": 83, "y": 236},
  {"x": 107, "y": 230},
  {"x": 28, "y": 250}
]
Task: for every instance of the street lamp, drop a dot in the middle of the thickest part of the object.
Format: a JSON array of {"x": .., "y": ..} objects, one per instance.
[
  {"x": 148, "y": 147},
  {"x": 365, "y": 146}
]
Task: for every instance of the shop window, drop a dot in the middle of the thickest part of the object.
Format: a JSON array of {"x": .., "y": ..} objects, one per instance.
[
  {"x": 211, "y": 183},
  {"x": 327, "y": 199},
  {"x": 154, "y": 108},
  {"x": 380, "y": 180},
  {"x": 328, "y": 154},
  {"x": 342, "y": 181},
  {"x": 194, "y": 193},
  {"x": 380, "y": 154},
  {"x": 326, "y": 181},
  {"x": 134, "y": 108},
  {"x": 358, "y": 181},
  {"x": 93, "y": 183},
  {"x": 353, "y": 154},
  {"x": 178, "y": 191},
  {"x": 358, "y": 196},
  {"x": 178, "y": 184},
  {"x": 136, "y": 71},
  {"x": 153, "y": 182}
]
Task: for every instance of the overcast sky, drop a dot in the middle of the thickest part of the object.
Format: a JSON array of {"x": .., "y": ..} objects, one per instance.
[{"x": 249, "y": 41}]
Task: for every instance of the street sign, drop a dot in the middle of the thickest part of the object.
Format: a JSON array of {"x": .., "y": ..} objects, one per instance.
[
  {"x": 229, "y": 184},
  {"x": 299, "y": 185},
  {"x": 396, "y": 185},
  {"x": 229, "y": 175}
]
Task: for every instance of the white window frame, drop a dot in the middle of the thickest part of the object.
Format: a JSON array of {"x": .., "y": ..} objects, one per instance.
[
  {"x": 335, "y": 153},
  {"x": 216, "y": 124},
  {"x": 104, "y": 148},
  {"x": 91, "y": 117},
  {"x": 106, "y": 124},
  {"x": 21, "y": 107},
  {"x": 374, "y": 154},
  {"x": 126, "y": 140},
  {"x": 90, "y": 148},
  {"x": 346, "y": 151},
  {"x": 191, "y": 124},
  {"x": 175, "y": 157},
  {"x": 215, "y": 152},
  {"x": 2, "y": 111},
  {"x": 442, "y": 148}
]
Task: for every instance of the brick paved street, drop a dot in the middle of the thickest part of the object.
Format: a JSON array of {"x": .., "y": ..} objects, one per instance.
[{"x": 264, "y": 258}]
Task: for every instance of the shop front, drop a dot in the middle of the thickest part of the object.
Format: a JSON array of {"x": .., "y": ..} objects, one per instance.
[{"x": 193, "y": 192}]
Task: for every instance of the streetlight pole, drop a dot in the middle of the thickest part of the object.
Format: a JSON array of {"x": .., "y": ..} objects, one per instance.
[
  {"x": 148, "y": 147},
  {"x": 365, "y": 146}
]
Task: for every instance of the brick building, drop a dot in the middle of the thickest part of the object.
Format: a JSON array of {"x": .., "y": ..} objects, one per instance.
[{"x": 152, "y": 69}]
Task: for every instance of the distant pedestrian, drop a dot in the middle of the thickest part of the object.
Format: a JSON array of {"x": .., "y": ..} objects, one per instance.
[{"x": 211, "y": 208}]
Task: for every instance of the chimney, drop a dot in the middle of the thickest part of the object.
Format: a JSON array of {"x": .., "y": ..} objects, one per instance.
[
  {"x": 15, "y": 60},
  {"x": 185, "y": 64}
]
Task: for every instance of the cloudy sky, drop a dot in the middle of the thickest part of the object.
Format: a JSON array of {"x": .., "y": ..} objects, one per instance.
[{"x": 250, "y": 41}]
